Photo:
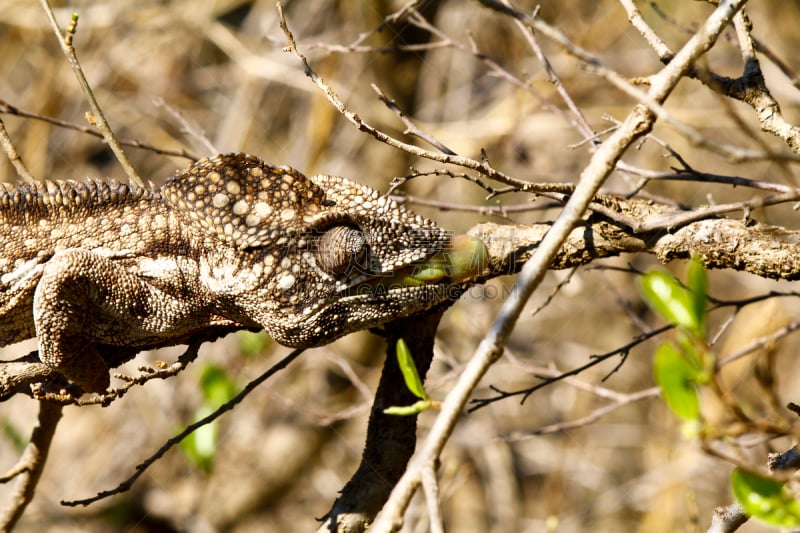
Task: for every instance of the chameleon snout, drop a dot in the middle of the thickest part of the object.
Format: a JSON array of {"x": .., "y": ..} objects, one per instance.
[{"x": 464, "y": 257}]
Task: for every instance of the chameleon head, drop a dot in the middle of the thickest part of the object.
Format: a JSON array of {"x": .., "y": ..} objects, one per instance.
[{"x": 310, "y": 259}]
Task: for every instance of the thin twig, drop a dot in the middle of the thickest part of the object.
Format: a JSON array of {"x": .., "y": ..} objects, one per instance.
[
  {"x": 678, "y": 219},
  {"x": 481, "y": 166},
  {"x": 97, "y": 118},
  {"x": 13, "y": 155},
  {"x": 496, "y": 67},
  {"x": 638, "y": 123},
  {"x": 756, "y": 344},
  {"x": 694, "y": 175},
  {"x": 411, "y": 128},
  {"x": 594, "y": 360},
  {"x": 140, "y": 469},
  {"x": 594, "y": 416},
  {"x": 356, "y": 46},
  {"x": 490, "y": 210},
  {"x": 594, "y": 65},
  {"x": 583, "y": 125},
  {"x": 665, "y": 54},
  {"x": 430, "y": 487},
  {"x": 6, "y": 108},
  {"x": 400, "y": 180},
  {"x": 31, "y": 463},
  {"x": 189, "y": 128},
  {"x": 147, "y": 374}
]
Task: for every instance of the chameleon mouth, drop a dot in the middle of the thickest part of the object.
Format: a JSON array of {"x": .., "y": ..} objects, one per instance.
[{"x": 465, "y": 257}]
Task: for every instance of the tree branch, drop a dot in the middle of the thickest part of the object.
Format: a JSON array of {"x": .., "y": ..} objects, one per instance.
[
  {"x": 390, "y": 439},
  {"x": 31, "y": 464},
  {"x": 638, "y": 123}
]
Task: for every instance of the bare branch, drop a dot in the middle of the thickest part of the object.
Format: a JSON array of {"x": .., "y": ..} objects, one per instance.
[
  {"x": 767, "y": 251},
  {"x": 188, "y": 127},
  {"x": 6, "y": 108},
  {"x": 638, "y": 123},
  {"x": 661, "y": 48},
  {"x": 580, "y": 119},
  {"x": 411, "y": 128},
  {"x": 97, "y": 118},
  {"x": 481, "y": 166},
  {"x": 13, "y": 155},
  {"x": 31, "y": 464},
  {"x": 727, "y": 519},
  {"x": 430, "y": 486},
  {"x": 142, "y": 467}
]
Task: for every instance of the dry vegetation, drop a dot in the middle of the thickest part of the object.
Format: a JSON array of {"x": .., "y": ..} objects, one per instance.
[{"x": 160, "y": 69}]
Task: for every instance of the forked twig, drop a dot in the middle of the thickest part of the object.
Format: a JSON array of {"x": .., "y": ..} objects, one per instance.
[
  {"x": 481, "y": 166},
  {"x": 31, "y": 464},
  {"x": 97, "y": 117}
]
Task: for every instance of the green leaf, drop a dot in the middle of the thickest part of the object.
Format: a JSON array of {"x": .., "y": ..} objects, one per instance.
[
  {"x": 252, "y": 344},
  {"x": 409, "y": 370},
  {"x": 417, "y": 407},
  {"x": 201, "y": 445},
  {"x": 671, "y": 300},
  {"x": 676, "y": 377},
  {"x": 216, "y": 386},
  {"x": 695, "y": 355},
  {"x": 765, "y": 499},
  {"x": 698, "y": 288}
]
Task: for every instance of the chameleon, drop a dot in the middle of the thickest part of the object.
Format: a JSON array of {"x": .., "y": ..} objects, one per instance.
[{"x": 98, "y": 270}]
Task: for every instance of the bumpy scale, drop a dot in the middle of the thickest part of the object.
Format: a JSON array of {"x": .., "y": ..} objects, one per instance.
[{"x": 98, "y": 271}]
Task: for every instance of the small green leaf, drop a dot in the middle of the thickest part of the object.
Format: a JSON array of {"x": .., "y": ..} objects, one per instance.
[
  {"x": 698, "y": 288},
  {"x": 216, "y": 386},
  {"x": 201, "y": 445},
  {"x": 413, "y": 409},
  {"x": 670, "y": 299},
  {"x": 695, "y": 355},
  {"x": 252, "y": 344},
  {"x": 676, "y": 377},
  {"x": 409, "y": 370},
  {"x": 765, "y": 499}
]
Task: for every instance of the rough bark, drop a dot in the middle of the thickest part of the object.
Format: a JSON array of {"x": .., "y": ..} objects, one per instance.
[{"x": 390, "y": 439}]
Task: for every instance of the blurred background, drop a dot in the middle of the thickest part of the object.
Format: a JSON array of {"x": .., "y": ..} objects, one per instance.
[{"x": 210, "y": 76}]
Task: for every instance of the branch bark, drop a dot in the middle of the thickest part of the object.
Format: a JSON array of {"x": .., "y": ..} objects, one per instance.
[
  {"x": 767, "y": 251},
  {"x": 31, "y": 464},
  {"x": 638, "y": 123},
  {"x": 390, "y": 439}
]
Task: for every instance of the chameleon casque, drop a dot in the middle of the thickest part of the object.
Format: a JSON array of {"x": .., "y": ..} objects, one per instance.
[{"x": 100, "y": 270}]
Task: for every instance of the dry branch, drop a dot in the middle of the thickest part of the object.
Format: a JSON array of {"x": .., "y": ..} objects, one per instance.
[
  {"x": 31, "y": 464},
  {"x": 98, "y": 117},
  {"x": 638, "y": 123},
  {"x": 767, "y": 251},
  {"x": 616, "y": 225}
]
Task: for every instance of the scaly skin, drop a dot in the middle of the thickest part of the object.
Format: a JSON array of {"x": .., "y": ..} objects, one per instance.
[{"x": 99, "y": 270}]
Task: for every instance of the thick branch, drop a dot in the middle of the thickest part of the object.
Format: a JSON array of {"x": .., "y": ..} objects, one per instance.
[
  {"x": 767, "y": 251},
  {"x": 638, "y": 123},
  {"x": 390, "y": 439},
  {"x": 31, "y": 464}
]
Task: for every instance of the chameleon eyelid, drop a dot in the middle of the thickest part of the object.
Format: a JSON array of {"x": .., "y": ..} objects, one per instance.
[{"x": 341, "y": 249}]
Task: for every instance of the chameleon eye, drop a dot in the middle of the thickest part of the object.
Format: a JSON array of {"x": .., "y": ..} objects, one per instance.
[{"x": 341, "y": 249}]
